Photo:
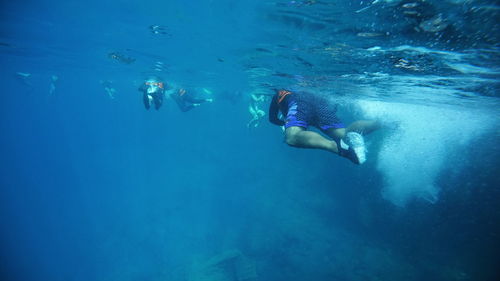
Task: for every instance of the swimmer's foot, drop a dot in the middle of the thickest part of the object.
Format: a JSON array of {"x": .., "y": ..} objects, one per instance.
[{"x": 353, "y": 148}]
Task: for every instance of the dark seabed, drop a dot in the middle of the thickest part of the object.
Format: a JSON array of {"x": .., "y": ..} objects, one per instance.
[{"x": 95, "y": 187}]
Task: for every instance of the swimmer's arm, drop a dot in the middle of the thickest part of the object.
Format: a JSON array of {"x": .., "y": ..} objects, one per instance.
[
  {"x": 190, "y": 99},
  {"x": 169, "y": 92},
  {"x": 257, "y": 98},
  {"x": 273, "y": 113}
]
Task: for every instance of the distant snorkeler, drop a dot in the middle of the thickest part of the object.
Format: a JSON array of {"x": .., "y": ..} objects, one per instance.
[
  {"x": 25, "y": 79},
  {"x": 254, "y": 108},
  {"x": 53, "y": 80},
  {"x": 108, "y": 87},
  {"x": 302, "y": 109},
  {"x": 158, "y": 29},
  {"x": 186, "y": 101},
  {"x": 153, "y": 91},
  {"x": 121, "y": 58}
]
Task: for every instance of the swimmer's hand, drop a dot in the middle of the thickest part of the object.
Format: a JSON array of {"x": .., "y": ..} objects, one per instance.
[{"x": 209, "y": 100}]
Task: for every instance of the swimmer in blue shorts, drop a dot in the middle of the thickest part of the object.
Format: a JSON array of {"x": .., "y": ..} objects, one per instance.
[{"x": 301, "y": 110}]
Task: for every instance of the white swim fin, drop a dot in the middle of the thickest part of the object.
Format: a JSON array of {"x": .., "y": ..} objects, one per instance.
[{"x": 357, "y": 144}]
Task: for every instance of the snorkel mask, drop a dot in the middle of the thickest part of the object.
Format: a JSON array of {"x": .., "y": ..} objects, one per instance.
[{"x": 153, "y": 86}]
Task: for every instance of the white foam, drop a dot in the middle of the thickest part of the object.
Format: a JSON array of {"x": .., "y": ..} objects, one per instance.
[
  {"x": 468, "y": 68},
  {"x": 462, "y": 62},
  {"x": 454, "y": 56},
  {"x": 420, "y": 145}
]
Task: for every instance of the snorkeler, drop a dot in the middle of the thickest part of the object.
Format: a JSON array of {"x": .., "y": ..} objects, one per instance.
[
  {"x": 302, "y": 109},
  {"x": 25, "y": 78},
  {"x": 186, "y": 101},
  {"x": 108, "y": 87},
  {"x": 158, "y": 29},
  {"x": 117, "y": 56},
  {"x": 153, "y": 92},
  {"x": 53, "y": 81},
  {"x": 255, "y": 109}
]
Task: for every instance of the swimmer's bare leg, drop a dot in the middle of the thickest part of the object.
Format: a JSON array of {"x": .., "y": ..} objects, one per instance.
[
  {"x": 363, "y": 127},
  {"x": 355, "y": 153},
  {"x": 335, "y": 133},
  {"x": 147, "y": 101},
  {"x": 300, "y": 137}
]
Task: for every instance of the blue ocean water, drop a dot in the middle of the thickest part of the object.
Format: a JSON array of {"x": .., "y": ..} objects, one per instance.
[{"x": 95, "y": 187}]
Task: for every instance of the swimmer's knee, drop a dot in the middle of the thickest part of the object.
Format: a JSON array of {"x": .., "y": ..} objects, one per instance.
[
  {"x": 291, "y": 139},
  {"x": 292, "y": 135},
  {"x": 335, "y": 133}
]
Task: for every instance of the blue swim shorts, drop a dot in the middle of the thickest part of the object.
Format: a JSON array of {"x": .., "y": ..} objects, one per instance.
[{"x": 316, "y": 112}]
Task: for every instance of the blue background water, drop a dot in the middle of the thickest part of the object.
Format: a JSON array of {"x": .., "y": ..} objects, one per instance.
[{"x": 94, "y": 188}]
